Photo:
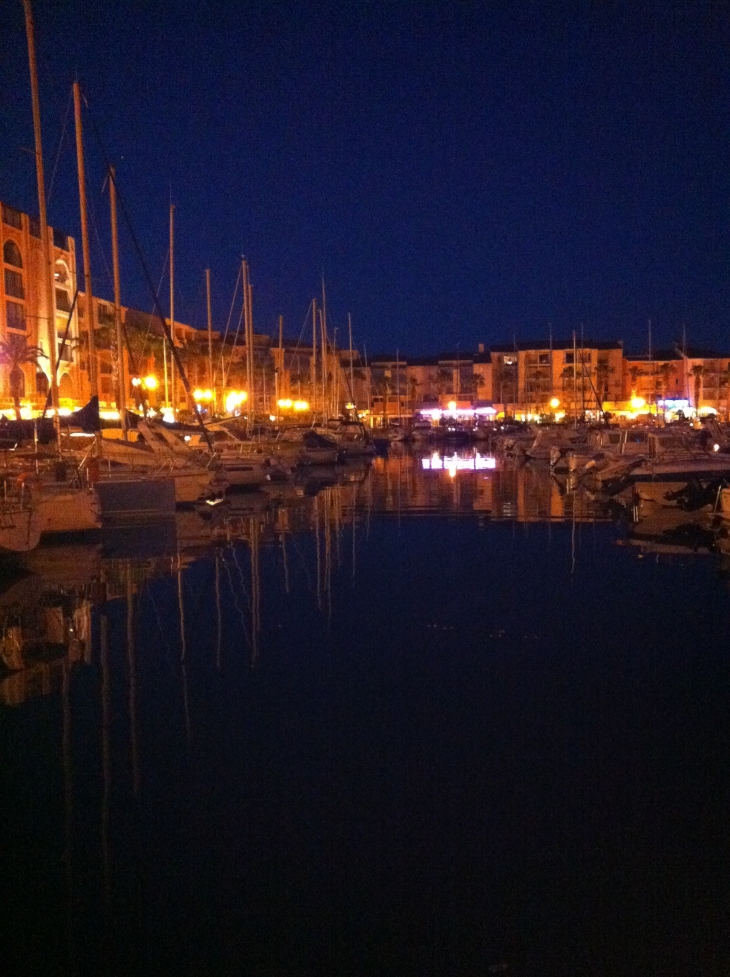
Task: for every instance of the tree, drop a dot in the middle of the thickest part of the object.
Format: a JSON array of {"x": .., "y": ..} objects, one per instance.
[
  {"x": 666, "y": 372},
  {"x": 444, "y": 380},
  {"x": 15, "y": 352},
  {"x": 697, "y": 371}
]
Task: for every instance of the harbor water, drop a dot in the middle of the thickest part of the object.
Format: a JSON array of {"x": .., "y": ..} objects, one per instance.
[{"x": 434, "y": 715}]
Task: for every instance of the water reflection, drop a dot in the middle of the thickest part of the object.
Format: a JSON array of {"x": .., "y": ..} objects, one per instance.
[
  {"x": 334, "y": 716},
  {"x": 46, "y": 606}
]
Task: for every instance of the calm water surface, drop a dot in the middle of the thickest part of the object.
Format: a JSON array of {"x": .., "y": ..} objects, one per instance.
[{"x": 430, "y": 719}]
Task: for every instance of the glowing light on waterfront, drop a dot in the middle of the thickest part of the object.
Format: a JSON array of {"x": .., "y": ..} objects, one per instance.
[
  {"x": 285, "y": 402},
  {"x": 150, "y": 382},
  {"x": 435, "y": 413},
  {"x": 168, "y": 415},
  {"x": 301, "y": 405},
  {"x": 234, "y": 400},
  {"x": 455, "y": 463},
  {"x": 555, "y": 403},
  {"x": 637, "y": 403}
]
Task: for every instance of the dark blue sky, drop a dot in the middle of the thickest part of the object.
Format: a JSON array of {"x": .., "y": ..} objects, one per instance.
[{"x": 463, "y": 172}]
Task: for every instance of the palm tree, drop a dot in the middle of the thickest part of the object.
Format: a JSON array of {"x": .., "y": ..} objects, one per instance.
[
  {"x": 14, "y": 353},
  {"x": 444, "y": 380},
  {"x": 666, "y": 372},
  {"x": 697, "y": 371}
]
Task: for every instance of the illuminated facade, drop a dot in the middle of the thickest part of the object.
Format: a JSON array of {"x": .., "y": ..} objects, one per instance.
[
  {"x": 544, "y": 378},
  {"x": 24, "y": 308},
  {"x": 672, "y": 379}
]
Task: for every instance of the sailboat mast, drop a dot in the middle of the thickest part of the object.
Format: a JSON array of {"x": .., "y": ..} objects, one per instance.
[
  {"x": 46, "y": 247},
  {"x": 575, "y": 379},
  {"x": 121, "y": 372},
  {"x": 210, "y": 335},
  {"x": 582, "y": 375},
  {"x": 280, "y": 365},
  {"x": 352, "y": 375},
  {"x": 314, "y": 356},
  {"x": 369, "y": 381},
  {"x": 335, "y": 376},
  {"x": 651, "y": 367},
  {"x": 93, "y": 378},
  {"x": 323, "y": 322},
  {"x": 323, "y": 334},
  {"x": 173, "y": 402},
  {"x": 252, "y": 362}
]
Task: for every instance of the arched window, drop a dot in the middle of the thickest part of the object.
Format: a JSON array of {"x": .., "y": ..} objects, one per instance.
[
  {"x": 60, "y": 273},
  {"x": 11, "y": 254},
  {"x": 41, "y": 383}
]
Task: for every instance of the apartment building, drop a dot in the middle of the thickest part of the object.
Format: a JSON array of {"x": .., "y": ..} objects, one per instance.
[
  {"x": 24, "y": 311},
  {"x": 545, "y": 377},
  {"x": 686, "y": 379}
]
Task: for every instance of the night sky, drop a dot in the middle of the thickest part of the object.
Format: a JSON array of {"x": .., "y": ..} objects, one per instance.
[{"x": 462, "y": 172}]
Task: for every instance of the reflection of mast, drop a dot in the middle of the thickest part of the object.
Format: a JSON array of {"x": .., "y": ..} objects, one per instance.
[
  {"x": 68, "y": 797},
  {"x": 105, "y": 751},
  {"x": 286, "y": 568},
  {"x": 255, "y": 590},
  {"x": 354, "y": 525},
  {"x": 183, "y": 646},
  {"x": 328, "y": 548},
  {"x": 219, "y": 628},
  {"x": 316, "y": 536},
  {"x": 132, "y": 667}
]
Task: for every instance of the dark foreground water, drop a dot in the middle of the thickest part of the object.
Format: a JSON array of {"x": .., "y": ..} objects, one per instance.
[{"x": 422, "y": 723}]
